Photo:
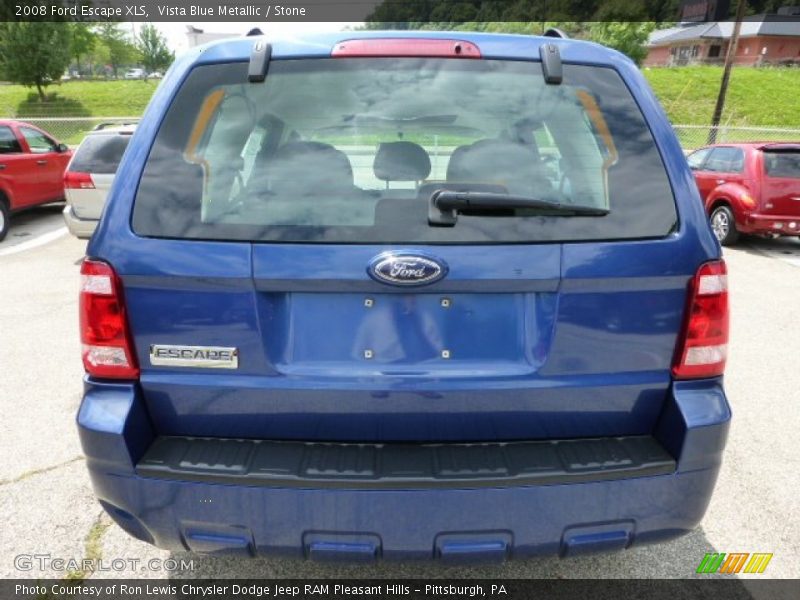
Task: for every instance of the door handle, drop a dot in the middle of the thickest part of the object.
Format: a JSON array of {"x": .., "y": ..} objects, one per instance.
[
  {"x": 2, "y": 167},
  {"x": 41, "y": 161},
  {"x": 720, "y": 181}
]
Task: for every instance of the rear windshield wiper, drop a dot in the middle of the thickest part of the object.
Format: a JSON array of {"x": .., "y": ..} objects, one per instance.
[{"x": 444, "y": 206}]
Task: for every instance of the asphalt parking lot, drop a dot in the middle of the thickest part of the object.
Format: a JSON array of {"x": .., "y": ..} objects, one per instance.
[{"x": 47, "y": 506}]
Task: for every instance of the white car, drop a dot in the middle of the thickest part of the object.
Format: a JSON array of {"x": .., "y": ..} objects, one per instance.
[
  {"x": 134, "y": 74},
  {"x": 90, "y": 174}
]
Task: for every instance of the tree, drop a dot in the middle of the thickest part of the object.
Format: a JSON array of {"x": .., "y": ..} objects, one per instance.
[
  {"x": 152, "y": 46},
  {"x": 82, "y": 43},
  {"x": 98, "y": 57},
  {"x": 34, "y": 54},
  {"x": 624, "y": 25},
  {"x": 627, "y": 37},
  {"x": 120, "y": 49},
  {"x": 529, "y": 16}
]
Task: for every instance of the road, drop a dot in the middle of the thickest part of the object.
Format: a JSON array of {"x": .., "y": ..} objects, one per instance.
[
  {"x": 33, "y": 228},
  {"x": 47, "y": 506}
]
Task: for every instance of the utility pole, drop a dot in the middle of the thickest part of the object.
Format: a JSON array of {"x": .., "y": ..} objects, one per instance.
[{"x": 726, "y": 72}]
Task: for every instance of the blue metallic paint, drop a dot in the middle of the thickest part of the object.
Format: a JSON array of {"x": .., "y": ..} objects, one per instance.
[
  {"x": 562, "y": 519},
  {"x": 597, "y": 327}
]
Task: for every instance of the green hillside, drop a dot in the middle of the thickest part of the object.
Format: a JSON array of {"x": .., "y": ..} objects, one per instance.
[
  {"x": 757, "y": 97},
  {"x": 78, "y": 99},
  {"x": 765, "y": 97}
]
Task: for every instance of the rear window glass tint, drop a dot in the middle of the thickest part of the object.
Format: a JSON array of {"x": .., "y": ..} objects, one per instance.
[
  {"x": 8, "y": 141},
  {"x": 695, "y": 159},
  {"x": 38, "y": 142},
  {"x": 280, "y": 161},
  {"x": 725, "y": 160},
  {"x": 100, "y": 154},
  {"x": 782, "y": 164}
]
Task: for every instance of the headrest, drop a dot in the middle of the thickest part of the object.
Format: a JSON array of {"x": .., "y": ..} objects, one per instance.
[
  {"x": 495, "y": 159},
  {"x": 515, "y": 166},
  {"x": 401, "y": 161},
  {"x": 309, "y": 166}
]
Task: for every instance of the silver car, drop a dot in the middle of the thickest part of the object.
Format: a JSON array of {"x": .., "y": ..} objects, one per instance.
[{"x": 90, "y": 174}]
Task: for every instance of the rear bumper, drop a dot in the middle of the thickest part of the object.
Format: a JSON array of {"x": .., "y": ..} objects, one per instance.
[
  {"x": 777, "y": 224},
  {"x": 180, "y": 505},
  {"x": 82, "y": 228}
]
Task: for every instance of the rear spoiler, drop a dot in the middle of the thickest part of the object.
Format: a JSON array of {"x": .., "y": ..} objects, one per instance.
[{"x": 780, "y": 147}]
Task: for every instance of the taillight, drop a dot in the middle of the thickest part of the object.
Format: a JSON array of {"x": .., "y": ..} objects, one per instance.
[
  {"x": 74, "y": 180},
  {"x": 106, "y": 342},
  {"x": 703, "y": 344},
  {"x": 378, "y": 47}
]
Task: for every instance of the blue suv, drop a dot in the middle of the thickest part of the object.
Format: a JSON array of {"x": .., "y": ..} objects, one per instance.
[{"x": 404, "y": 295}]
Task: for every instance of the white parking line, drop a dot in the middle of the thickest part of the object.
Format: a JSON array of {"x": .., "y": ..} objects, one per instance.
[{"x": 41, "y": 240}]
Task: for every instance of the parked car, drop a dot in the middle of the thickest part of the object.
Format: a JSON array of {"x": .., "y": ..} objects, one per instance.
[
  {"x": 32, "y": 164},
  {"x": 749, "y": 188},
  {"x": 433, "y": 344},
  {"x": 134, "y": 74},
  {"x": 89, "y": 176}
]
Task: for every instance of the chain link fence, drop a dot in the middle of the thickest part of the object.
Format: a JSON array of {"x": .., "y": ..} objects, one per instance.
[
  {"x": 71, "y": 130},
  {"x": 694, "y": 136}
]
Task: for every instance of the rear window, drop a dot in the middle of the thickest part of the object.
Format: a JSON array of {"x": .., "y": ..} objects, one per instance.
[
  {"x": 782, "y": 164},
  {"x": 8, "y": 141},
  {"x": 350, "y": 150},
  {"x": 100, "y": 154}
]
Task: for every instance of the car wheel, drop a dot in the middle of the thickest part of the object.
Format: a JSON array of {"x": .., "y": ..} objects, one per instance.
[
  {"x": 5, "y": 219},
  {"x": 724, "y": 226}
]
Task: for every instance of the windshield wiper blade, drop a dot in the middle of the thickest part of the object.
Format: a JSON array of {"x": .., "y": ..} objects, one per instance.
[{"x": 444, "y": 205}]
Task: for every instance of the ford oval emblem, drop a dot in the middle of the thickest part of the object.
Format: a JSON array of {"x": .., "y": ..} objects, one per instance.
[{"x": 405, "y": 268}]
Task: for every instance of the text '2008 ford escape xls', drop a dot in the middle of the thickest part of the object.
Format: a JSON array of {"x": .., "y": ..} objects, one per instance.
[{"x": 404, "y": 295}]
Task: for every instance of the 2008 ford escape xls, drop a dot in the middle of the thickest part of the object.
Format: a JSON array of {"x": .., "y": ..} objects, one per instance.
[{"x": 404, "y": 295}]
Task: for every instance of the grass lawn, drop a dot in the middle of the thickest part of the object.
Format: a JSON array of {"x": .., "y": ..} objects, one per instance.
[
  {"x": 766, "y": 97},
  {"x": 78, "y": 99}
]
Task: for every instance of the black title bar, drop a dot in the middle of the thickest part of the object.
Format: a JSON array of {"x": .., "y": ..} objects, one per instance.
[
  {"x": 709, "y": 588},
  {"x": 379, "y": 11}
]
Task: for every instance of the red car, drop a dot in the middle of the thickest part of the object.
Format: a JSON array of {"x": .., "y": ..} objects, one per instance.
[
  {"x": 749, "y": 188},
  {"x": 32, "y": 164}
]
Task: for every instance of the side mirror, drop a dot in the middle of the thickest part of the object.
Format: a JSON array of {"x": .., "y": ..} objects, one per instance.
[{"x": 61, "y": 148}]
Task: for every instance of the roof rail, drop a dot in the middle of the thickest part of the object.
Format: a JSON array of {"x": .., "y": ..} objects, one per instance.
[
  {"x": 106, "y": 124},
  {"x": 555, "y": 32}
]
